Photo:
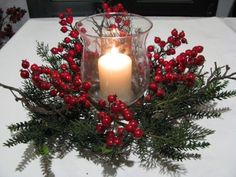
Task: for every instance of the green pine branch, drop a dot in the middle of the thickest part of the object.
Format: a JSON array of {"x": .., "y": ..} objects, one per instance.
[
  {"x": 28, "y": 156},
  {"x": 46, "y": 165}
]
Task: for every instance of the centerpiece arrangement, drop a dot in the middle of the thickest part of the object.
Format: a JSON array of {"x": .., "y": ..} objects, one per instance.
[{"x": 102, "y": 93}]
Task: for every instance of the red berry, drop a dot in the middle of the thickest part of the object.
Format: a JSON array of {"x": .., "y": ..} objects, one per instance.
[
  {"x": 105, "y": 6},
  {"x": 34, "y": 68},
  {"x": 100, "y": 128},
  {"x": 118, "y": 20},
  {"x": 157, "y": 40},
  {"x": 101, "y": 103},
  {"x": 170, "y": 39},
  {"x": 172, "y": 62},
  {"x": 174, "y": 33},
  {"x": 149, "y": 55},
  {"x": 126, "y": 22},
  {"x": 78, "y": 47},
  {"x": 111, "y": 98},
  {"x": 181, "y": 34},
  {"x": 148, "y": 97},
  {"x": 134, "y": 123},
  {"x": 153, "y": 86},
  {"x": 66, "y": 76},
  {"x": 67, "y": 98},
  {"x": 54, "y": 50},
  {"x": 74, "y": 34},
  {"x": 168, "y": 68},
  {"x": 120, "y": 131},
  {"x": 64, "y": 67},
  {"x": 177, "y": 43},
  {"x": 55, "y": 75},
  {"x": 189, "y": 84},
  {"x": 194, "y": 53},
  {"x": 83, "y": 30},
  {"x": 106, "y": 121},
  {"x": 162, "y": 44},
  {"x": 121, "y": 106},
  {"x": 109, "y": 142},
  {"x": 200, "y": 60},
  {"x": 67, "y": 40},
  {"x": 71, "y": 53},
  {"x": 198, "y": 49},
  {"x": 184, "y": 40},
  {"x": 129, "y": 128},
  {"x": 188, "y": 52},
  {"x": 158, "y": 78},
  {"x": 25, "y": 64},
  {"x": 171, "y": 51},
  {"x": 117, "y": 141},
  {"x": 157, "y": 56},
  {"x": 53, "y": 93},
  {"x": 150, "y": 48},
  {"x": 64, "y": 29},
  {"x": 127, "y": 114},
  {"x": 86, "y": 86},
  {"x": 160, "y": 92},
  {"x": 120, "y": 6},
  {"x": 87, "y": 104},
  {"x": 115, "y": 108},
  {"x": 110, "y": 134},
  {"x": 69, "y": 11},
  {"x": 24, "y": 74},
  {"x": 101, "y": 114},
  {"x": 36, "y": 78},
  {"x": 45, "y": 85},
  {"x": 63, "y": 22},
  {"x": 61, "y": 15},
  {"x": 74, "y": 67},
  {"x": 69, "y": 19},
  {"x": 46, "y": 70},
  {"x": 181, "y": 68},
  {"x": 77, "y": 81},
  {"x": 138, "y": 133},
  {"x": 190, "y": 77},
  {"x": 181, "y": 59},
  {"x": 158, "y": 69}
]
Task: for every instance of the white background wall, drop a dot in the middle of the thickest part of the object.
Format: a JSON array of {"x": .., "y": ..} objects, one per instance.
[{"x": 223, "y": 10}]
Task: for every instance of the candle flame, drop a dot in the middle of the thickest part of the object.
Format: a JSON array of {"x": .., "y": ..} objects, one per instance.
[{"x": 114, "y": 49}]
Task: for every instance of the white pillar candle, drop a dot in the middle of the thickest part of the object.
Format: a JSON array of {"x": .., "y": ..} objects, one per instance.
[{"x": 115, "y": 71}]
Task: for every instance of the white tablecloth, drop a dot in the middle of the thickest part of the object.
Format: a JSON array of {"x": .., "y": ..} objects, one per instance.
[{"x": 219, "y": 40}]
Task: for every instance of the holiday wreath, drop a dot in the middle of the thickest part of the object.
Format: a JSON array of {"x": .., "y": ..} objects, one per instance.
[{"x": 159, "y": 127}]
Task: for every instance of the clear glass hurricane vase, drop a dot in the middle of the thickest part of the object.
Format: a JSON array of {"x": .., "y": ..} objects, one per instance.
[{"x": 114, "y": 55}]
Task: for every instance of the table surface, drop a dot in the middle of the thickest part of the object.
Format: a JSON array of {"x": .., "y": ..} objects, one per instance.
[{"x": 217, "y": 35}]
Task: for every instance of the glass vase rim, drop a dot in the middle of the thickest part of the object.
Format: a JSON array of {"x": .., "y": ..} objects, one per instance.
[{"x": 113, "y": 13}]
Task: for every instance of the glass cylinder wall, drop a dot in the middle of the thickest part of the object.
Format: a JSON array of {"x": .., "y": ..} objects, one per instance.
[{"x": 114, "y": 55}]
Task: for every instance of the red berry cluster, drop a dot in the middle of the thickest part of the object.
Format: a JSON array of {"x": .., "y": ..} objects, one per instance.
[
  {"x": 116, "y": 8},
  {"x": 63, "y": 83},
  {"x": 116, "y": 122},
  {"x": 121, "y": 23},
  {"x": 15, "y": 14},
  {"x": 178, "y": 70},
  {"x": 62, "y": 79},
  {"x": 12, "y": 15},
  {"x": 66, "y": 21}
]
